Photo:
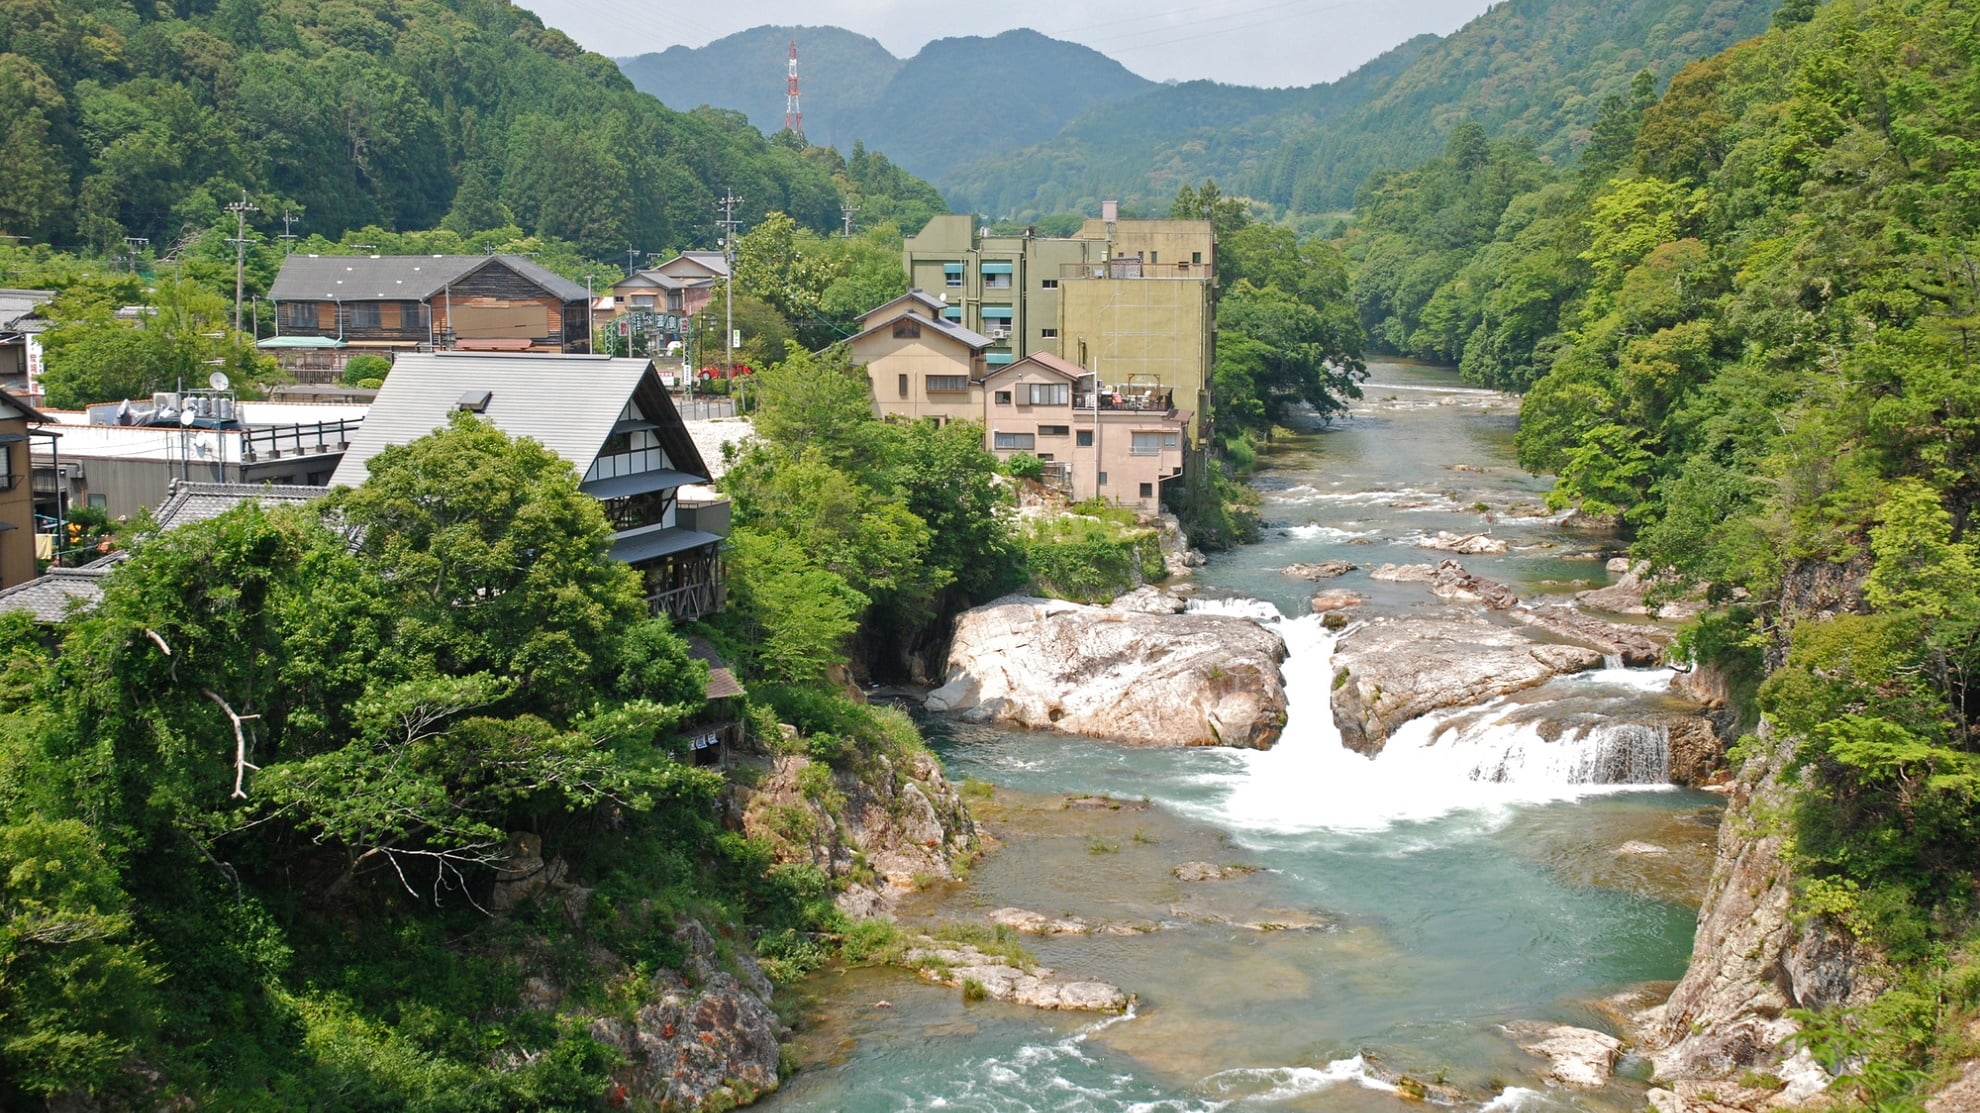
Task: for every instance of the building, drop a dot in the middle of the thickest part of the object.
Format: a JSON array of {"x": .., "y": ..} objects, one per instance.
[
  {"x": 20, "y": 341},
  {"x": 611, "y": 418},
  {"x": 16, "y": 491},
  {"x": 922, "y": 365},
  {"x": 1132, "y": 299},
  {"x": 1120, "y": 443},
  {"x": 336, "y": 306},
  {"x": 124, "y": 458}
]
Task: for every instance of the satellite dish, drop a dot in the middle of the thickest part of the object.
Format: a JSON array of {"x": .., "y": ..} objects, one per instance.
[
  {"x": 188, "y": 416},
  {"x": 217, "y": 380}
]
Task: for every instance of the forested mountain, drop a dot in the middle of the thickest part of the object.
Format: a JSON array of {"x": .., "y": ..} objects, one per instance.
[
  {"x": 1748, "y": 323},
  {"x": 956, "y": 101},
  {"x": 842, "y": 70},
  {"x": 1540, "y": 67},
  {"x": 133, "y": 119}
]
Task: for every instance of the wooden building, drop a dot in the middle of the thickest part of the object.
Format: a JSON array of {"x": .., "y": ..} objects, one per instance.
[
  {"x": 16, "y": 491},
  {"x": 405, "y": 303}
]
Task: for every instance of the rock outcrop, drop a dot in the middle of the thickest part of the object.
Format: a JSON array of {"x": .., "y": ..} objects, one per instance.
[
  {"x": 1751, "y": 962},
  {"x": 1154, "y": 679},
  {"x": 1322, "y": 570},
  {"x": 1575, "y": 1056},
  {"x": 704, "y": 1036},
  {"x": 1392, "y": 670},
  {"x": 1473, "y": 544},
  {"x": 1149, "y": 599},
  {"x": 1627, "y": 596},
  {"x": 961, "y": 965},
  {"x": 1635, "y": 646},
  {"x": 1338, "y": 599},
  {"x": 1405, "y": 573}
]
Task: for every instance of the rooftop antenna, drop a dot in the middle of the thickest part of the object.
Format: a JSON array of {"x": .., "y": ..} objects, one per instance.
[{"x": 793, "y": 115}]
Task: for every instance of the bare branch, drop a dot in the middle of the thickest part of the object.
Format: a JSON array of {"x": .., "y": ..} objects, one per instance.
[{"x": 241, "y": 763}]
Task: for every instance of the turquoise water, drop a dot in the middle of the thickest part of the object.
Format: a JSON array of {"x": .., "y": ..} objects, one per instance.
[{"x": 1401, "y": 910}]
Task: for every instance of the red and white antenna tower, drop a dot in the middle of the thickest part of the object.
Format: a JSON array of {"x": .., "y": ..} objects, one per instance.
[{"x": 793, "y": 115}]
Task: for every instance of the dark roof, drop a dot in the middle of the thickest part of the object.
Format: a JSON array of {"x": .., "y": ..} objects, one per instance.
[
  {"x": 400, "y": 277},
  {"x": 644, "y": 543},
  {"x": 722, "y": 683},
  {"x": 53, "y": 597},
  {"x": 199, "y": 502},
  {"x": 916, "y": 296},
  {"x": 13, "y": 405},
  {"x": 16, "y": 304},
  {"x": 974, "y": 341},
  {"x": 1045, "y": 360}
]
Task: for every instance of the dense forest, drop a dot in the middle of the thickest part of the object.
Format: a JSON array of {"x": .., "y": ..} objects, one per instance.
[
  {"x": 1745, "y": 327},
  {"x": 1538, "y": 68},
  {"x": 133, "y": 120}
]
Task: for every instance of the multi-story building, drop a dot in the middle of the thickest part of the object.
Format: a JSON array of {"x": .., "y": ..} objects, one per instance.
[
  {"x": 1134, "y": 300},
  {"x": 923, "y": 366},
  {"x": 16, "y": 500}
]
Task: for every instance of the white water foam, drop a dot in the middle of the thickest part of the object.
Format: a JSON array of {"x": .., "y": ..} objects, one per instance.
[
  {"x": 1285, "y": 1083},
  {"x": 1468, "y": 759},
  {"x": 1329, "y": 533},
  {"x": 1512, "y": 1099}
]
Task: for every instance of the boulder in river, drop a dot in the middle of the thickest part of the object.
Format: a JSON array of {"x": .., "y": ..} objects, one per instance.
[
  {"x": 1157, "y": 679},
  {"x": 1336, "y": 600},
  {"x": 1405, "y": 573},
  {"x": 1392, "y": 670},
  {"x": 1322, "y": 570},
  {"x": 1575, "y": 1056},
  {"x": 1634, "y": 646},
  {"x": 1453, "y": 581},
  {"x": 1473, "y": 544},
  {"x": 1627, "y": 596}
]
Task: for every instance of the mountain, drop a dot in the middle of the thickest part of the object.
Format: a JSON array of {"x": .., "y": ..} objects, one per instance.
[
  {"x": 1536, "y": 66},
  {"x": 129, "y": 118},
  {"x": 957, "y": 101},
  {"x": 745, "y": 71}
]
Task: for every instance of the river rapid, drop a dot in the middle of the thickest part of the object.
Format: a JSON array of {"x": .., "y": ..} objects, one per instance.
[{"x": 1400, "y": 911}]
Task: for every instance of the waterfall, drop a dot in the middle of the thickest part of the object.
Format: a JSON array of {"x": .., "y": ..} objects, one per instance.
[{"x": 1489, "y": 744}]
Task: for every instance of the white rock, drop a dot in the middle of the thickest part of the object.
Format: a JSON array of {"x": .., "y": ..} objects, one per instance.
[{"x": 1577, "y": 1056}]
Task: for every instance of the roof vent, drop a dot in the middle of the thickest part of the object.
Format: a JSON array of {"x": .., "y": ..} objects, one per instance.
[{"x": 475, "y": 401}]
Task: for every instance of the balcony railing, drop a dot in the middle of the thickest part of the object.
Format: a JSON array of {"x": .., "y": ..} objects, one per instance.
[
  {"x": 278, "y": 441},
  {"x": 1131, "y": 267},
  {"x": 1138, "y": 400},
  {"x": 689, "y": 602}
]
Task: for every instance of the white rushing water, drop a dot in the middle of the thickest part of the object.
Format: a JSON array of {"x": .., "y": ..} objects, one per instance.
[{"x": 1485, "y": 759}]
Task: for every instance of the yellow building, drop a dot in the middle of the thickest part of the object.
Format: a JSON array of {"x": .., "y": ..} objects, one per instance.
[{"x": 921, "y": 365}]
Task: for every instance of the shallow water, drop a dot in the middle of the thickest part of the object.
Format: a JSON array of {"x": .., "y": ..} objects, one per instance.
[{"x": 1400, "y": 909}]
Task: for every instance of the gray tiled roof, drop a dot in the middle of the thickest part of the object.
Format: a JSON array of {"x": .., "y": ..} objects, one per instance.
[
  {"x": 412, "y": 277},
  {"x": 199, "y": 502},
  {"x": 567, "y": 403},
  {"x": 15, "y": 304},
  {"x": 53, "y": 597},
  {"x": 976, "y": 341},
  {"x": 916, "y": 295}
]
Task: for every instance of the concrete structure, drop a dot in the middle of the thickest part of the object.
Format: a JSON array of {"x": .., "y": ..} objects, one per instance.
[
  {"x": 922, "y": 366},
  {"x": 20, "y": 341},
  {"x": 611, "y": 419},
  {"x": 1134, "y": 300}
]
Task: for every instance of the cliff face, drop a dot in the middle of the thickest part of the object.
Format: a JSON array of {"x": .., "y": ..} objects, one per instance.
[{"x": 1753, "y": 960}]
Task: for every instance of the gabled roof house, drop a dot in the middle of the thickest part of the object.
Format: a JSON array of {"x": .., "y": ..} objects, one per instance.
[{"x": 611, "y": 418}]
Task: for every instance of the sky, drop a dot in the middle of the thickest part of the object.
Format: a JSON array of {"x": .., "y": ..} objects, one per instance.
[{"x": 1242, "y": 42}]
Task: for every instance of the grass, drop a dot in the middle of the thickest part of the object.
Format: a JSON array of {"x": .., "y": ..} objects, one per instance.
[{"x": 1098, "y": 845}]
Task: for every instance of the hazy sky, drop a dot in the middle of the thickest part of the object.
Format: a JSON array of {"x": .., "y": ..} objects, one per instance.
[{"x": 1246, "y": 42}]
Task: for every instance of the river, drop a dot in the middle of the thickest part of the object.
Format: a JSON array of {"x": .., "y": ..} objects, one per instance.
[{"x": 1400, "y": 911}]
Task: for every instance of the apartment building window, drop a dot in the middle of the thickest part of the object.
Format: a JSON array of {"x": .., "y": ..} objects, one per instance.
[
  {"x": 1014, "y": 442},
  {"x": 1049, "y": 284},
  {"x": 997, "y": 276},
  {"x": 1054, "y": 430},
  {"x": 1196, "y": 256},
  {"x": 948, "y": 384},
  {"x": 1103, "y": 479},
  {"x": 952, "y": 313},
  {"x": 1048, "y": 333},
  {"x": 907, "y": 328},
  {"x": 952, "y": 274},
  {"x": 1148, "y": 490},
  {"x": 1084, "y": 440},
  {"x": 362, "y": 314},
  {"x": 1003, "y": 398},
  {"x": 1145, "y": 444},
  {"x": 1172, "y": 440},
  {"x": 1154, "y": 257},
  {"x": 299, "y": 314},
  {"x": 904, "y": 393},
  {"x": 1048, "y": 394}
]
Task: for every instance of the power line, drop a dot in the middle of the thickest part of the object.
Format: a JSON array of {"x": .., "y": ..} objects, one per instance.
[{"x": 240, "y": 209}]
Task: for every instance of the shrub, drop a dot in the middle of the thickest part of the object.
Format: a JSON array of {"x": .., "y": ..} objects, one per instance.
[
  {"x": 1024, "y": 465},
  {"x": 366, "y": 368}
]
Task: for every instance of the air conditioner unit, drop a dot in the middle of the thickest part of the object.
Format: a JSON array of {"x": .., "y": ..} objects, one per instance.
[{"x": 1000, "y": 334}]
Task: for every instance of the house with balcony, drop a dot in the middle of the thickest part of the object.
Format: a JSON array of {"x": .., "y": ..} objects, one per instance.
[
  {"x": 611, "y": 418},
  {"x": 922, "y": 365},
  {"x": 1115, "y": 442},
  {"x": 331, "y": 307}
]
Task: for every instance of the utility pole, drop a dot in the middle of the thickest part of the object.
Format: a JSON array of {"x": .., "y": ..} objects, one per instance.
[
  {"x": 288, "y": 236},
  {"x": 846, "y": 214},
  {"x": 134, "y": 244},
  {"x": 729, "y": 222},
  {"x": 240, "y": 209},
  {"x": 590, "y": 325}
]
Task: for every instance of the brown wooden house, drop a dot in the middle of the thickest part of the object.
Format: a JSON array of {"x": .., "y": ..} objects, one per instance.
[
  {"x": 401, "y": 303},
  {"x": 16, "y": 497}
]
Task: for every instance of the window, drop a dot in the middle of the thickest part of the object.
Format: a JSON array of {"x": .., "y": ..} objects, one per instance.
[
  {"x": 1013, "y": 442},
  {"x": 1003, "y": 398},
  {"x": 948, "y": 384},
  {"x": 907, "y": 328},
  {"x": 1154, "y": 257},
  {"x": 1085, "y": 439},
  {"x": 996, "y": 281},
  {"x": 952, "y": 274},
  {"x": 1172, "y": 440},
  {"x": 675, "y": 301},
  {"x": 1148, "y": 490},
  {"x": 1048, "y": 394},
  {"x": 1196, "y": 256},
  {"x": 361, "y": 314},
  {"x": 99, "y": 502},
  {"x": 1049, "y": 284},
  {"x": 1054, "y": 430},
  {"x": 642, "y": 301},
  {"x": 409, "y": 315},
  {"x": 299, "y": 314},
  {"x": 1049, "y": 333},
  {"x": 952, "y": 313},
  {"x": 1103, "y": 479},
  {"x": 1145, "y": 444},
  {"x": 904, "y": 386}
]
